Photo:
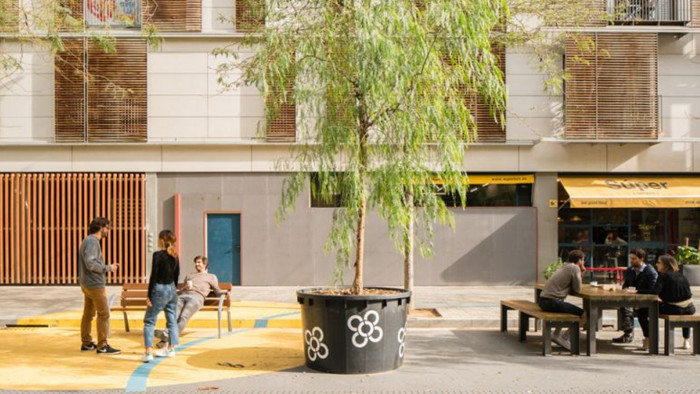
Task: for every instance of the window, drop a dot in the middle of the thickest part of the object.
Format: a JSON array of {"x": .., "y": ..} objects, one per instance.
[
  {"x": 174, "y": 15},
  {"x": 101, "y": 97},
  {"x": 493, "y": 195},
  {"x": 250, "y": 15},
  {"x": 620, "y": 65}
]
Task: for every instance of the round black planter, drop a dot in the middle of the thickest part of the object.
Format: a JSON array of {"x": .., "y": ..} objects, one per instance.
[{"x": 353, "y": 333}]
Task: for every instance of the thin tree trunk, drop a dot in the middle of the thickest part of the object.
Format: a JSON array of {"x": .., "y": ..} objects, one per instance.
[
  {"x": 408, "y": 248},
  {"x": 357, "y": 283}
]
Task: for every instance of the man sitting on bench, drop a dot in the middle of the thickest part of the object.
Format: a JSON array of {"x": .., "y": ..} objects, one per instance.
[
  {"x": 566, "y": 280},
  {"x": 191, "y": 298}
]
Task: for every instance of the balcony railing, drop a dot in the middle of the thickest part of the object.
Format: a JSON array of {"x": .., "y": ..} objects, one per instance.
[{"x": 641, "y": 12}]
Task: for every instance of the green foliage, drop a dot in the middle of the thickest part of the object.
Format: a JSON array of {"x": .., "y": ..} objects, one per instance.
[
  {"x": 378, "y": 90},
  {"x": 552, "y": 268},
  {"x": 688, "y": 255}
]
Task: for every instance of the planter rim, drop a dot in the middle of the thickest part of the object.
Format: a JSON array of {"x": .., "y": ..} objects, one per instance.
[{"x": 308, "y": 293}]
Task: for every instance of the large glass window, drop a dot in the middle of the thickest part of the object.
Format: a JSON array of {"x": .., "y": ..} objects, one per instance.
[{"x": 493, "y": 195}]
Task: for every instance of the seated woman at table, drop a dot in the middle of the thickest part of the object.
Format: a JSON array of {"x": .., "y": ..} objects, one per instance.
[
  {"x": 566, "y": 280},
  {"x": 674, "y": 293}
]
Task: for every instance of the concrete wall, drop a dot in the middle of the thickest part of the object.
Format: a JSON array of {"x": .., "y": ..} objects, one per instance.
[{"x": 488, "y": 245}]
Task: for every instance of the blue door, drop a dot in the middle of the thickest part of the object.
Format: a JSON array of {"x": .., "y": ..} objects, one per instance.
[{"x": 224, "y": 246}]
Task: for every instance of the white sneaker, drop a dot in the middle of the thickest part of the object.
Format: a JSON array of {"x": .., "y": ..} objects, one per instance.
[
  {"x": 686, "y": 344},
  {"x": 563, "y": 340},
  {"x": 645, "y": 344},
  {"x": 148, "y": 357},
  {"x": 165, "y": 353}
]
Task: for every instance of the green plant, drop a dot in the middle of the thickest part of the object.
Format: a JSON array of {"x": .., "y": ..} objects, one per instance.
[
  {"x": 688, "y": 255},
  {"x": 552, "y": 268}
]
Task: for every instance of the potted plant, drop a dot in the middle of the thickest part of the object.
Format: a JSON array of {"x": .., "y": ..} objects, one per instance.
[
  {"x": 689, "y": 258},
  {"x": 381, "y": 118}
]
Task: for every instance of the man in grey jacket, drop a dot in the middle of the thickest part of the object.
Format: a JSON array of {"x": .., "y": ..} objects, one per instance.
[{"x": 92, "y": 270}]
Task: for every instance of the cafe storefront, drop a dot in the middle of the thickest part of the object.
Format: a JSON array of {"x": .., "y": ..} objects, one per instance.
[{"x": 606, "y": 216}]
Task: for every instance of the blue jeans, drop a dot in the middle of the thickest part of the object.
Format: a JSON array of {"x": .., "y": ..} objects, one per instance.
[
  {"x": 164, "y": 297},
  {"x": 555, "y": 305}
]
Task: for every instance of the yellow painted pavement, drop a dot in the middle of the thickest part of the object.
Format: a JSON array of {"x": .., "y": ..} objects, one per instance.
[{"x": 49, "y": 358}]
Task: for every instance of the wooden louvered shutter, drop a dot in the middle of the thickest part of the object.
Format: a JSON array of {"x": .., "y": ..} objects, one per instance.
[
  {"x": 281, "y": 125},
  {"x": 695, "y": 13},
  {"x": 612, "y": 91},
  {"x": 69, "y": 80},
  {"x": 73, "y": 19},
  {"x": 117, "y": 100},
  {"x": 175, "y": 15},
  {"x": 250, "y": 15},
  {"x": 9, "y": 16}
]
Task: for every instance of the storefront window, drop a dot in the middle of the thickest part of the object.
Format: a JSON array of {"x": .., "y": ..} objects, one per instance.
[
  {"x": 494, "y": 195},
  {"x": 647, "y": 225}
]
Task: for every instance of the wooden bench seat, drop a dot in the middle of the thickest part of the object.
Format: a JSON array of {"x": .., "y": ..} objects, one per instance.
[
  {"x": 133, "y": 298},
  {"x": 549, "y": 320},
  {"x": 671, "y": 322}
]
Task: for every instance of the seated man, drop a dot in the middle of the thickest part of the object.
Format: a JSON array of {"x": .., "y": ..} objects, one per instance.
[
  {"x": 643, "y": 277},
  {"x": 191, "y": 298},
  {"x": 566, "y": 280}
]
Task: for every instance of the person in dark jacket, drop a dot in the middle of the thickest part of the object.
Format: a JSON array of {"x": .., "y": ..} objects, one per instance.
[
  {"x": 162, "y": 295},
  {"x": 642, "y": 277},
  {"x": 674, "y": 293}
]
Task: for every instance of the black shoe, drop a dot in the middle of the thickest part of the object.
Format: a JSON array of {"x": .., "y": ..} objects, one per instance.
[
  {"x": 625, "y": 338},
  {"x": 108, "y": 350},
  {"x": 91, "y": 346}
]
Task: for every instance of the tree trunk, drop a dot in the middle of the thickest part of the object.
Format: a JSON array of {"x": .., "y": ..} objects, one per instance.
[
  {"x": 408, "y": 248},
  {"x": 357, "y": 283}
]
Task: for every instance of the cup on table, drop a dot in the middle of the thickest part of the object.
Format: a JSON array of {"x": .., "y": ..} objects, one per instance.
[
  {"x": 189, "y": 284},
  {"x": 631, "y": 289}
]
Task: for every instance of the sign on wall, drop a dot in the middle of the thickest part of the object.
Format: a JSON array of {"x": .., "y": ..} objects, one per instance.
[{"x": 113, "y": 13}]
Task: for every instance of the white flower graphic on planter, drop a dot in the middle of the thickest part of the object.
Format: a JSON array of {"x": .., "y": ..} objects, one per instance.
[
  {"x": 316, "y": 347},
  {"x": 402, "y": 341},
  {"x": 366, "y": 329}
]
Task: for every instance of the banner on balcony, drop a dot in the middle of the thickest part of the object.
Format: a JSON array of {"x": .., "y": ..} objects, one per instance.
[{"x": 113, "y": 13}]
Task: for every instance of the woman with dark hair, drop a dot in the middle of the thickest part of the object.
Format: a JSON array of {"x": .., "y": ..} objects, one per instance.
[
  {"x": 674, "y": 293},
  {"x": 162, "y": 295}
]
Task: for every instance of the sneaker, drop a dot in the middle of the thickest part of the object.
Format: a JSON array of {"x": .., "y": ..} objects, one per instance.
[
  {"x": 563, "y": 340},
  {"x": 161, "y": 344},
  {"x": 165, "y": 353},
  {"x": 148, "y": 357},
  {"x": 162, "y": 335},
  {"x": 108, "y": 350},
  {"x": 645, "y": 344},
  {"x": 90, "y": 346},
  {"x": 686, "y": 344},
  {"x": 625, "y": 338}
]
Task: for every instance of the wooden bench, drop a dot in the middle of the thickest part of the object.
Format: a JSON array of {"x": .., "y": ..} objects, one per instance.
[
  {"x": 133, "y": 298},
  {"x": 671, "y": 322},
  {"x": 549, "y": 320}
]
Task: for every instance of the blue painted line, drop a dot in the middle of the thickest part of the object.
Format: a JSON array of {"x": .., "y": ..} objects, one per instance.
[
  {"x": 262, "y": 323},
  {"x": 138, "y": 379}
]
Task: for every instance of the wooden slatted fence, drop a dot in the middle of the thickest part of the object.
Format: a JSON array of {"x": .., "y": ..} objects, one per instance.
[
  {"x": 612, "y": 90},
  {"x": 45, "y": 216}
]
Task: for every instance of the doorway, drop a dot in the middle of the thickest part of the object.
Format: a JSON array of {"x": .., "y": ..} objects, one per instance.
[{"x": 223, "y": 246}]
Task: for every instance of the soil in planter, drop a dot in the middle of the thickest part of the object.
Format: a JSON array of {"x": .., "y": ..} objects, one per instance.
[
  {"x": 366, "y": 291},
  {"x": 425, "y": 312}
]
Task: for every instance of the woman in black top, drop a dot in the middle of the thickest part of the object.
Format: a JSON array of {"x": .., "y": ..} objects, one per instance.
[
  {"x": 162, "y": 295},
  {"x": 674, "y": 292}
]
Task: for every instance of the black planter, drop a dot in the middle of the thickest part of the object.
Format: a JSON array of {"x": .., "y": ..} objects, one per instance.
[{"x": 353, "y": 333}]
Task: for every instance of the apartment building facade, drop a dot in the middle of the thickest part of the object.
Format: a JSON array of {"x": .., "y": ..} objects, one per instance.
[{"x": 152, "y": 140}]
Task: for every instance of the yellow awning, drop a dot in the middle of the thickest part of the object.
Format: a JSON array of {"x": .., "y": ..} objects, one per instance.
[{"x": 633, "y": 192}]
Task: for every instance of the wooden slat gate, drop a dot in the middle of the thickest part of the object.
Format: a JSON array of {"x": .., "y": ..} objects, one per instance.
[{"x": 45, "y": 216}]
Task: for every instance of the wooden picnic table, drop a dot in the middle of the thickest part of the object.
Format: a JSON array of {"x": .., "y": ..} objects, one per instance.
[{"x": 595, "y": 299}]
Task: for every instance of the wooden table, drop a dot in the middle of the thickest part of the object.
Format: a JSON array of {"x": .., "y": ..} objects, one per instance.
[{"x": 595, "y": 299}]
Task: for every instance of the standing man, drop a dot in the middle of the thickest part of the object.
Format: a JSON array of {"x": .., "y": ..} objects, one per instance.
[
  {"x": 92, "y": 269},
  {"x": 191, "y": 299},
  {"x": 642, "y": 277},
  {"x": 566, "y": 280}
]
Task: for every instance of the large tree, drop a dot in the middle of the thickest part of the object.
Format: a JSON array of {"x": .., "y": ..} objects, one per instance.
[{"x": 379, "y": 88}]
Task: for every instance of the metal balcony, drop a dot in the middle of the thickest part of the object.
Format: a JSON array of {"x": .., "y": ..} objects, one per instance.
[{"x": 649, "y": 12}]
